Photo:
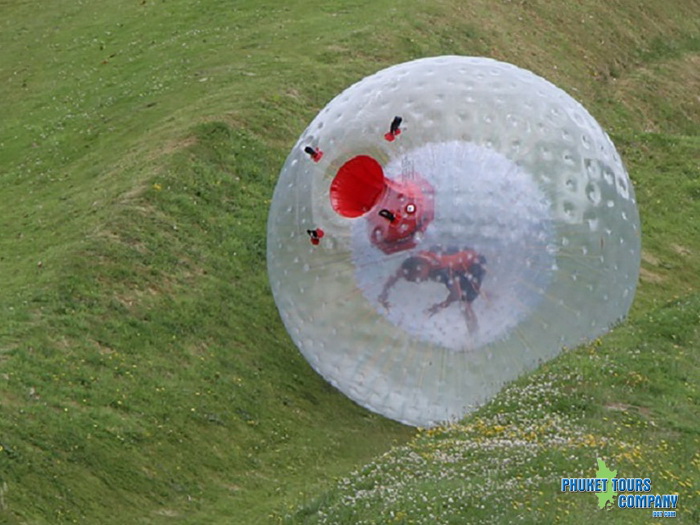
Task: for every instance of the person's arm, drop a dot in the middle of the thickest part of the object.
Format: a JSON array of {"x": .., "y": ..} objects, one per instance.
[
  {"x": 391, "y": 281},
  {"x": 455, "y": 292}
]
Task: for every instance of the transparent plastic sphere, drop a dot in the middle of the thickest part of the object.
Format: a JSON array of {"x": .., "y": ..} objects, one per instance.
[{"x": 442, "y": 227}]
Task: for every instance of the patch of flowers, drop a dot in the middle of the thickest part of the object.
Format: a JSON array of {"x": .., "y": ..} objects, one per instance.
[{"x": 488, "y": 468}]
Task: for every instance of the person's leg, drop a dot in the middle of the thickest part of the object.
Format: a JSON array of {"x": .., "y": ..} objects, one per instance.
[
  {"x": 470, "y": 317},
  {"x": 469, "y": 293}
]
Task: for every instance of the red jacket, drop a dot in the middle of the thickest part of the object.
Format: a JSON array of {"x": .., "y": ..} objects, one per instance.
[{"x": 459, "y": 262}]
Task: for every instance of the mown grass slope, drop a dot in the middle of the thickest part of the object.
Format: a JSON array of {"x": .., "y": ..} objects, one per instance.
[
  {"x": 145, "y": 376},
  {"x": 630, "y": 398}
]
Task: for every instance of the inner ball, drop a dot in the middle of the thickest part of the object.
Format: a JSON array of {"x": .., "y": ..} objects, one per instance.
[{"x": 483, "y": 202}]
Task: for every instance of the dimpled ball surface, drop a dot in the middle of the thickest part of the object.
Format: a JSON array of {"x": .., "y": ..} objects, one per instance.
[{"x": 521, "y": 173}]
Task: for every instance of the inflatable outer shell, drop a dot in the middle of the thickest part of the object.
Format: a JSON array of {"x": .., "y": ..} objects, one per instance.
[{"x": 523, "y": 174}]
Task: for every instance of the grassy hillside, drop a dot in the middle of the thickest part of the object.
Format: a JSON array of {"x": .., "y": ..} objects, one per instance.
[{"x": 145, "y": 376}]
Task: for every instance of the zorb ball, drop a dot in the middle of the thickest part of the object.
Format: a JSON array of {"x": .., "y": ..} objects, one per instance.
[{"x": 445, "y": 225}]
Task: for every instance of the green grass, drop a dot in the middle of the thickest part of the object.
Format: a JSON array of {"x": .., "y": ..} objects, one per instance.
[
  {"x": 145, "y": 376},
  {"x": 631, "y": 400}
]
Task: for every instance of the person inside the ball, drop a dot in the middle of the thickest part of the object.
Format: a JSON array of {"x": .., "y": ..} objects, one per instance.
[{"x": 460, "y": 270}]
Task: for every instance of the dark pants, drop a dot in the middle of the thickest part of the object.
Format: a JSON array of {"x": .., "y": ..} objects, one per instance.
[{"x": 469, "y": 282}]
